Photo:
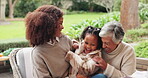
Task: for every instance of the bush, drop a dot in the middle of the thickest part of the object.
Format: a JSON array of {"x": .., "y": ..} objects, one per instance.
[
  {"x": 7, "y": 52},
  {"x": 141, "y": 49},
  {"x": 5, "y": 46},
  {"x": 135, "y": 34},
  {"x": 86, "y": 6},
  {"x": 23, "y": 7},
  {"x": 79, "y": 6},
  {"x": 143, "y": 12}
]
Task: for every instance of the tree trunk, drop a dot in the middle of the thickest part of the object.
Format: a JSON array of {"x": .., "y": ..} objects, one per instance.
[
  {"x": 11, "y": 12},
  {"x": 11, "y": 8},
  {"x": 2, "y": 9},
  {"x": 129, "y": 14},
  {"x": 91, "y": 9}
]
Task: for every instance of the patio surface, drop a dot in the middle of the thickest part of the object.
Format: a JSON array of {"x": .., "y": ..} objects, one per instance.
[{"x": 6, "y": 75}]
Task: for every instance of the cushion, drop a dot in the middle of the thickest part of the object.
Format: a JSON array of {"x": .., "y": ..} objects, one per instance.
[{"x": 24, "y": 62}]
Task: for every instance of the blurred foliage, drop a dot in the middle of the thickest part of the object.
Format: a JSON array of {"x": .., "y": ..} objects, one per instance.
[
  {"x": 76, "y": 29},
  {"x": 24, "y": 6},
  {"x": 117, "y": 5},
  {"x": 7, "y": 52},
  {"x": 145, "y": 25},
  {"x": 5, "y": 46},
  {"x": 135, "y": 34},
  {"x": 143, "y": 12},
  {"x": 68, "y": 12},
  {"x": 142, "y": 49},
  {"x": 86, "y": 6},
  {"x": 144, "y": 1}
]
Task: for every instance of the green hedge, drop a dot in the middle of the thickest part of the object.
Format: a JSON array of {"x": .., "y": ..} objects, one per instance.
[
  {"x": 6, "y": 46},
  {"x": 142, "y": 49}
]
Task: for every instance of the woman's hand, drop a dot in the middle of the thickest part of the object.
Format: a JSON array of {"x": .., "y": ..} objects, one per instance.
[{"x": 100, "y": 62}]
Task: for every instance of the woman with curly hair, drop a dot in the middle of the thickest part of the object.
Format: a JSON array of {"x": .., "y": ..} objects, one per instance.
[{"x": 43, "y": 31}]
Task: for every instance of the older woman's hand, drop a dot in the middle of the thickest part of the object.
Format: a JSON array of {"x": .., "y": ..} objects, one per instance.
[{"x": 100, "y": 62}]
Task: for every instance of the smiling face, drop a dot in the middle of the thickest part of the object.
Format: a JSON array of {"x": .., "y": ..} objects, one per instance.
[
  {"x": 108, "y": 44},
  {"x": 60, "y": 27},
  {"x": 90, "y": 43}
]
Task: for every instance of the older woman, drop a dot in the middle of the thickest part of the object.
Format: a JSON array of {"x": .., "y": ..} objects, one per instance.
[
  {"x": 43, "y": 31},
  {"x": 118, "y": 57}
]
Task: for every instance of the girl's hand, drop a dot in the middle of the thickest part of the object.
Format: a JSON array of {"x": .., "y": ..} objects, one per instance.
[
  {"x": 100, "y": 62},
  {"x": 75, "y": 45},
  {"x": 81, "y": 76}
]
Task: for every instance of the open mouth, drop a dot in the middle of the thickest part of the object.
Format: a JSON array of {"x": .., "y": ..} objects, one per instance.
[{"x": 87, "y": 50}]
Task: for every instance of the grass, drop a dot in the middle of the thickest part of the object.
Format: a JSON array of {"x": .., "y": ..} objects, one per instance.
[{"x": 16, "y": 29}]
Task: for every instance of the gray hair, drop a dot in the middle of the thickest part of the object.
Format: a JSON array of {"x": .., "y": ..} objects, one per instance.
[{"x": 114, "y": 30}]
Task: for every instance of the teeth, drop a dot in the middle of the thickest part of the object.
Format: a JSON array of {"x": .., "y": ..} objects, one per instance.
[{"x": 88, "y": 49}]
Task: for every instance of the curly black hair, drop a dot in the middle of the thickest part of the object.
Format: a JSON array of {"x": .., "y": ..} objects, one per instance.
[{"x": 93, "y": 31}]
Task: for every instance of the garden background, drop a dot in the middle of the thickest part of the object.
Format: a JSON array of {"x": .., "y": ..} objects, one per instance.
[{"x": 78, "y": 14}]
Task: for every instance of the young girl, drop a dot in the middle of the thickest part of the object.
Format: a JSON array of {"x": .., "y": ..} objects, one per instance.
[{"x": 81, "y": 61}]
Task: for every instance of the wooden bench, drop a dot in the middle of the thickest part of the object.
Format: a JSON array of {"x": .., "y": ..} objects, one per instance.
[{"x": 142, "y": 64}]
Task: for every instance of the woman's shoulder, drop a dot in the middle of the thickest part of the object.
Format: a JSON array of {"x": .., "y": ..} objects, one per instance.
[
  {"x": 38, "y": 50},
  {"x": 127, "y": 46},
  {"x": 65, "y": 36}
]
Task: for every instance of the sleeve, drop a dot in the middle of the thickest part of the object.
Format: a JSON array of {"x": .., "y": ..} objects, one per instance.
[
  {"x": 128, "y": 66},
  {"x": 88, "y": 68},
  {"x": 75, "y": 62},
  {"x": 85, "y": 66},
  {"x": 40, "y": 69}
]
